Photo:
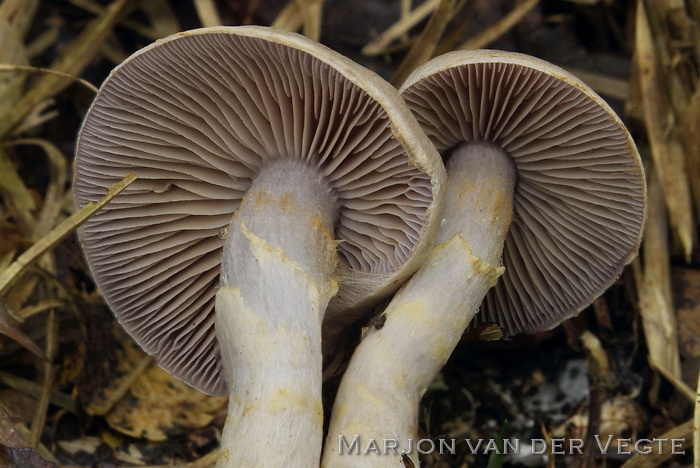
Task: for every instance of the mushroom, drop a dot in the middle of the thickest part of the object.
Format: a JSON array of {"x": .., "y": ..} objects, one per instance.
[
  {"x": 273, "y": 173},
  {"x": 545, "y": 199}
]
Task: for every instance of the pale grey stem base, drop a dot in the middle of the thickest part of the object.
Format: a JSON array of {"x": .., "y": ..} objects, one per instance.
[
  {"x": 378, "y": 399},
  {"x": 276, "y": 282}
]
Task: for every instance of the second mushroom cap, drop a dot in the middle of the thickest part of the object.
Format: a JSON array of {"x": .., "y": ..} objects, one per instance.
[{"x": 579, "y": 202}]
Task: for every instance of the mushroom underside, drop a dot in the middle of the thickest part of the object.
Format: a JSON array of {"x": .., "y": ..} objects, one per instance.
[{"x": 197, "y": 132}]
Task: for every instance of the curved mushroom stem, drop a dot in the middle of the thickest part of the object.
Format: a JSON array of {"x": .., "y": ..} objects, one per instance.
[
  {"x": 276, "y": 282},
  {"x": 375, "y": 415}
]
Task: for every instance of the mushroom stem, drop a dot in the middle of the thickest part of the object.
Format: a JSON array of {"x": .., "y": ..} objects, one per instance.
[
  {"x": 276, "y": 282},
  {"x": 379, "y": 396}
]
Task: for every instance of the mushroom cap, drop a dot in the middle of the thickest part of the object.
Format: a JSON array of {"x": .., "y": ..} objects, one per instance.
[
  {"x": 579, "y": 202},
  {"x": 196, "y": 116}
]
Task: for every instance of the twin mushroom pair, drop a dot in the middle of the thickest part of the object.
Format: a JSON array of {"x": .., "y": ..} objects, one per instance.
[{"x": 289, "y": 189}]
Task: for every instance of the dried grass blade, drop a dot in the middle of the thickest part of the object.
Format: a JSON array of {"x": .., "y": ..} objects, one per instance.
[
  {"x": 19, "y": 12},
  {"x": 406, "y": 7},
  {"x": 75, "y": 58},
  {"x": 655, "y": 297},
  {"x": 158, "y": 12},
  {"x": 47, "y": 381},
  {"x": 15, "y": 194},
  {"x": 673, "y": 31},
  {"x": 696, "y": 426},
  {"x": 54, "y": 194},
  {"x": 691, "y": 124},
  {"x": 207, "y": 461},
  {"x": 15, "y": 17},
  {"x": 500, "y": 28},
  {"x": 312, "y": 11},
  {"x": 398, "y": 29},
  {"x": 422, "y": 49},
  {"x": 26, "y": 312},
  {"x": 290, "y": 18},
  {"x": 41, "y": 448},
  {"x": 12, "y": 51},
  {"x": 6, "y": 259},
  {"x": 207, "y": 13},
  {"x": 9, "y": 329},
  {"x": 464, "y": 12},
  {"x": 162, "y": 18},
  {"x": 609, "y": 86},
  {"x": 663, "y": 134},
  {"x": 15, "y": 270},
  {"x": 124, "y": 384},
  {"x": 43, "y": 41},
  {"x": 33, "y": 389},
  {"x": 693, "y": 7},
  {"x": 48, "y": 71},
  {"x": 598, "y": 367},
  {"x": 663, "y": 450}
]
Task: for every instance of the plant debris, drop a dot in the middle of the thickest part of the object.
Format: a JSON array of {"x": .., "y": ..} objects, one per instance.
[{"x": 76, "y": 391}]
